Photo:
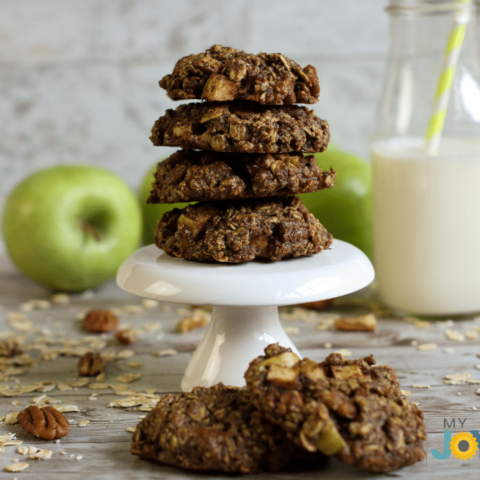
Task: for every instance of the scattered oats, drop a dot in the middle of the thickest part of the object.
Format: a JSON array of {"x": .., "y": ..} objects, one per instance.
[
  {"x": 11, "y": 418},
  {"x": 327, "y": 324},
  {"x": 78, "y": 457},
  {"x": 130, "y": 429},
  {"x": 60, "y": 298},
  {"x": 83, "y": 423},
  {"x": 151, "y": 390},
  {"x": 26, "y": 307},
  {"x": 81, "y": 315},
  {"x": 358, "y": 323},
  {"x": 17, "y": 467},
  {"x": 15, "y": 460},
  {"x": 164, "y": 353},
  {"x": 56, "y": 441},
  {"x": 22, "y": 450},
  {"x": 449, "y": 350},
  {"x": 32, "y": 450},
  {"x": 42, "y": 454},
  {"x": 414, "y": 343},
  {"x": 22, "y": 325},
  {"x": 141, "y": 417},
  {"x": 421, "y": 324},
  {"x": 5, "y": 437},
  {"x": 93, "y": 396},
  {"x": 419, "y": 385},
  {"x": 151, "y": 327},
  {"x": 327, "y": 345},
  {"x": 458, "y": 393},
  {"x": 344, "y": 352},
  {"x": 63, "y": 453},
  {"x": 99, "y": 386},
  {"x": 144, "y": 402},
  {"x": 129, "y": 377},
  {"x": 72, "y": 455},
  {"x": 200, "y": 318},
  {"x": 474, "y": 408},
  {"x": 473, "y": 381},
  {"x": 125, "y": 354},
  {"x": 457, "y": 378},
  {"x": 471, "y": 335},
  {"x": 67, "y": 408},
  {"x": 147, "y": 303},
  {"x": 64, "y": 387},
  {"x": 16, "y": 403},
  {"x": 134, "y": 364},
  {"x": 183, "y": 311},
  {"x": 291, "y": 330},
  {"x": 81, "y": 382},
  {"x": 426, "y": 346},
  {"x": 405, "y": 393},
  {"x": 133, "y": 309},
  {"x": 15, "y": 316},
  {"x": 100, "y": 377},
  {"x": 39, "y": 399},
  {"x": 454, "y": 335}
]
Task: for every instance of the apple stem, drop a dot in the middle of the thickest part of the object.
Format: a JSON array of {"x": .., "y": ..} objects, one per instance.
[{"x": 89, "y": 230}]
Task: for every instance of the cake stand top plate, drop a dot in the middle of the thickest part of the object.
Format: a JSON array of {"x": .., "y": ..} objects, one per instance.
[{"x": 150, "y": 273}]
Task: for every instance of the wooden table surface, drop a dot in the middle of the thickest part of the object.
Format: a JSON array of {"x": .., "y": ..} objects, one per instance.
[{"x": 104, "y": 443}]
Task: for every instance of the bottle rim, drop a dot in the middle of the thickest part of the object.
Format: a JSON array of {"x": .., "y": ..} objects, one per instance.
[{"x": 431, "y": 6}]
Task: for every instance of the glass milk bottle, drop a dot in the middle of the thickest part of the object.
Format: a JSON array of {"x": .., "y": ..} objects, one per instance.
[{"x": 427, "y": 197}]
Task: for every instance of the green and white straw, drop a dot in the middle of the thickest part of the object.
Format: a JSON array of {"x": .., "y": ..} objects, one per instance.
[{"x": 444, "y": 85}]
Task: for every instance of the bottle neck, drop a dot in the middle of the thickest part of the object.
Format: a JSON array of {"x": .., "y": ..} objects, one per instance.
[{"x": 419, "y": 32}]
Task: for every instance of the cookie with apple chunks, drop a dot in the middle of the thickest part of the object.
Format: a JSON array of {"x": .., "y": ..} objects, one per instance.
[
  {"x": 214, "y": 428},
  {"x": 190, "y": 175},
  {"x": 236, "y": 231},
  {"x": 242, "y": 127},
  {"x": 350, "y": 408},
  {"x": 223, "y": 74}
]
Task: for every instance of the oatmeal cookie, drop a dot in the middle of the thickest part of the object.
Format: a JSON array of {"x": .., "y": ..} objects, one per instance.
[
  {"x": 241, "y": 127},
  {"x": 350, "y": 408},
  {"x": 214, "y": 428},
  {"x": 223, "y": 74},
  {"x": 190, "y": 175},
  {"x": 239, "y": 231}
]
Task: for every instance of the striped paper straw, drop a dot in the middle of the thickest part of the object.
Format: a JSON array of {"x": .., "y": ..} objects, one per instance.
[{"x": 444, "y": 85}]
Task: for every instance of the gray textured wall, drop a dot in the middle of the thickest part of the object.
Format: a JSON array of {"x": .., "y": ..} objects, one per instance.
[{"x": 78, "y": 78}]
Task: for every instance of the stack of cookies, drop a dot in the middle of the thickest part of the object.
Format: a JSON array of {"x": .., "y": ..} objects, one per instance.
[
  {"x": 242, "y": 159},
  {"x": 290, "y": 410}
]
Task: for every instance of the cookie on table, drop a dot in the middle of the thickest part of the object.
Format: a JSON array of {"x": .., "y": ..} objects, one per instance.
[
  {"x": 223, "y": 74},
  {"x": 242, "y": 127},
  {"x": 350, "y": 408},
  {"x": 214, "y": 428},
  {"x": 190, "y": 175},
  {"x": 236, "y": 231}
]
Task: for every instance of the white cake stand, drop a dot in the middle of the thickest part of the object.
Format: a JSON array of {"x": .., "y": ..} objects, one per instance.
[{"x": 245, "y": 300}]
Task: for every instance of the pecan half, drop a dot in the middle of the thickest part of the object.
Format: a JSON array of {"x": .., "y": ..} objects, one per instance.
[
  {"x": 91, "y": 365},
  {"x": 47, "y": 422},
  {"x": 98, "y": 321},
  {"x": 9, "y": 348}
]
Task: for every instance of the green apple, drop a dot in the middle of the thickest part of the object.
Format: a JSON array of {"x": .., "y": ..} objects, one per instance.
[
  {"x": 346, "y": 209},
  {"x": 152, "y": 212},
  {"x": 70, "y": 227}
]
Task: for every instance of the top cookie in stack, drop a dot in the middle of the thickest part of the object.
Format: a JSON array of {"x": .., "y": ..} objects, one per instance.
[{"x": 251, "y": 163}]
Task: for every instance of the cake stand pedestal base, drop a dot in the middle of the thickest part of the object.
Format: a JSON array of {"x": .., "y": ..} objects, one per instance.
[{"x": 245, "y": 300}]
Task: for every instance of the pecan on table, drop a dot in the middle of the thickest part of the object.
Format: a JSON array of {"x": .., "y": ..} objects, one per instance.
[
  {"x": 91, "y": 364},
  {"x": 9, "y": 348},
  {"x": 47, "y": 422},
  {"x": 98, "y": 321}
]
